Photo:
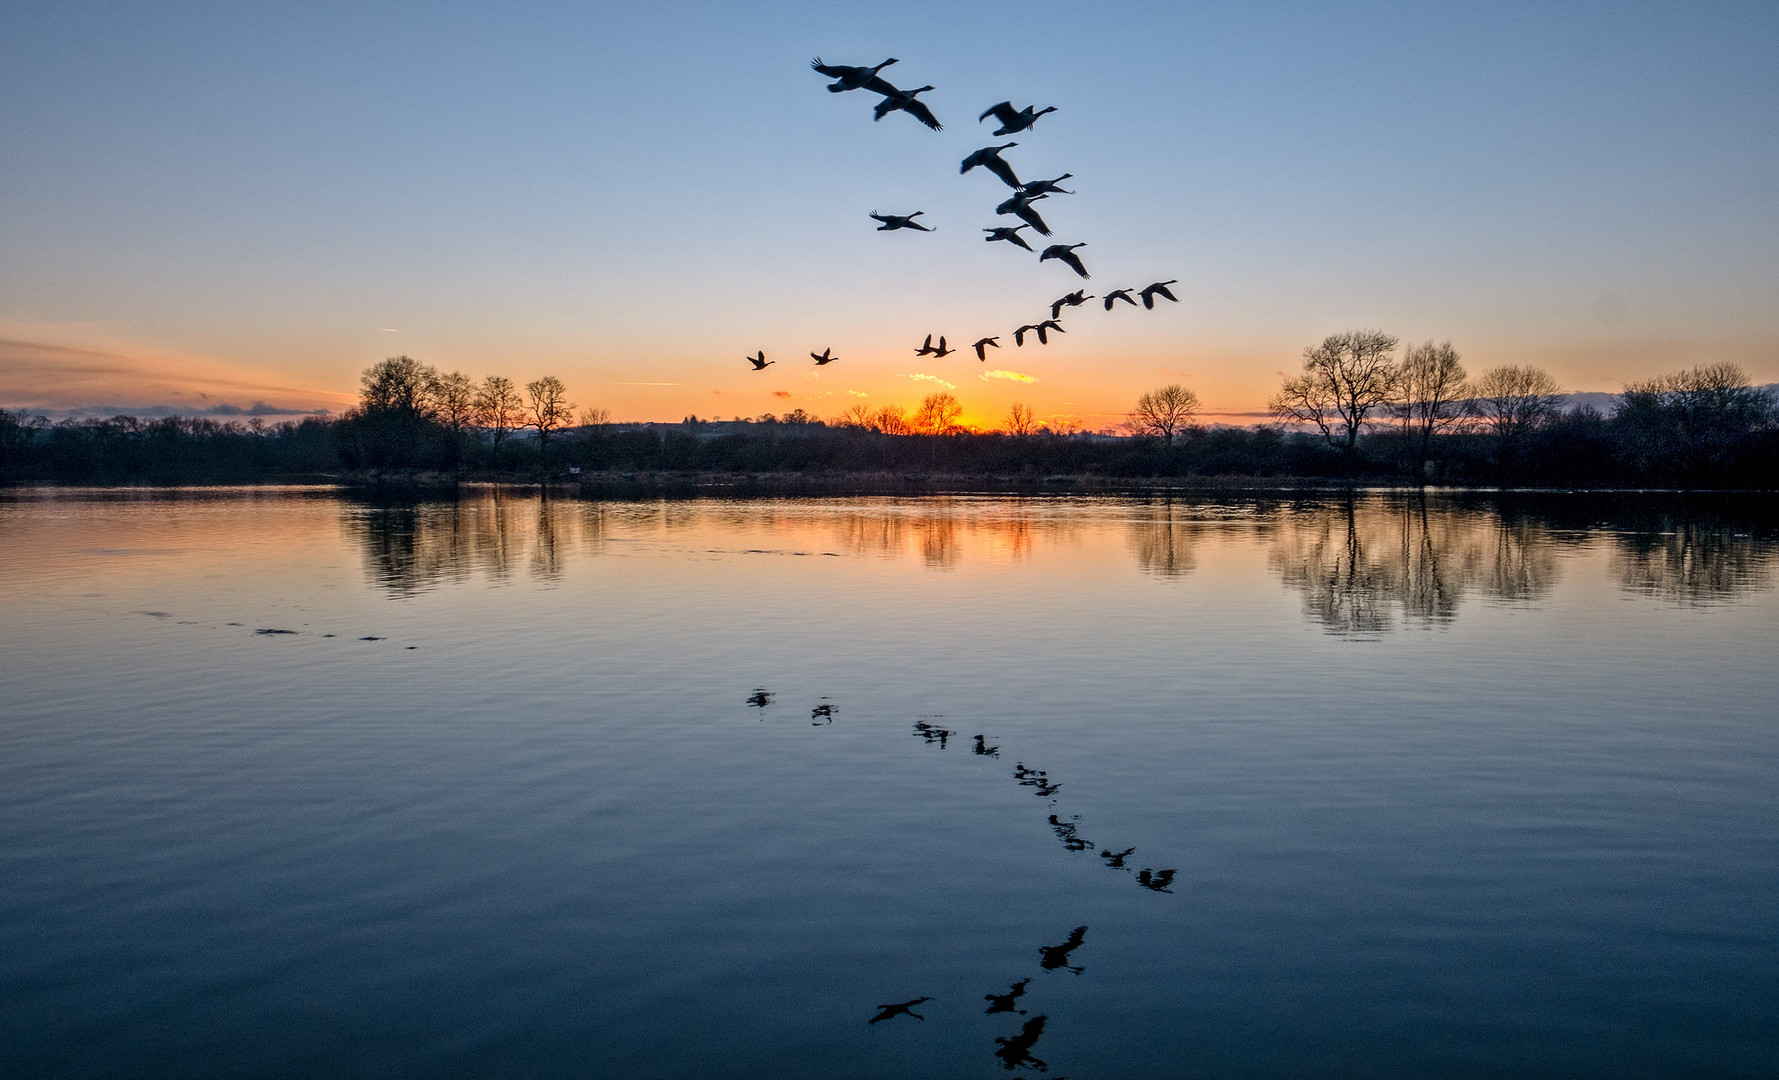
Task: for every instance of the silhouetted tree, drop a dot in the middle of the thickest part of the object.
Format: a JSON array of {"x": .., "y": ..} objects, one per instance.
[
  {"x": 891, "y": 420},
  {"x": 454, "y": 396},
  {"x": 1512, "y": 400},
  {"x": 1019, "y": 420},
  {"x": 938, "y": 414},
  {"x": 1164, "y": 412},
  {"x": 1693, "y": 420},
  {"x": 549, "y": 410},
  {"x": 396, "y": 413},
  {"x": 499, "y": 409},
  {"x": 1345, "y": 379},
  {"x": 1431, "y": 391}
]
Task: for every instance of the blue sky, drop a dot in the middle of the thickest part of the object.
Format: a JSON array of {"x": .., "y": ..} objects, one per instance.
[{"x": 254, "y": 202}]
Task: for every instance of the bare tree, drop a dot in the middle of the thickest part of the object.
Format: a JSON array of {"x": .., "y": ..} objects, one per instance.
[
  {"x": 891, "y": 420},
  {"x": 1345, "y": 379},
  {"x": 1164, "y": 413},
  {"x": 1432, "y": 394},
  {"x": 592, "y": 416},
  {"x": 400, "y": 384},
  {"x": 499, "y": 408},
  {"x": 938, "y": 414},
  {"x": 859, "y": 416},
  {"x": 549, "y": 409},
  {"x": 1020, "y": 421},
  {"x": 1512, "y": 400}
]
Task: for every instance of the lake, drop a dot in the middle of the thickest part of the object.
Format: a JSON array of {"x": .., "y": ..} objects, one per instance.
[{"x": 296, "y": 782}]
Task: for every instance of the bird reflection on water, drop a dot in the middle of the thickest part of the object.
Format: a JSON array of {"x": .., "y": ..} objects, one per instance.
[
  {"x": 1003, "y": 1003},
  {"x": 1016, "y": 1052},
  {"x": 900, "y": 1008}
]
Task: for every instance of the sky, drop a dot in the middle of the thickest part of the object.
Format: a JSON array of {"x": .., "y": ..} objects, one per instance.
[{"x": 236, "y": 208}]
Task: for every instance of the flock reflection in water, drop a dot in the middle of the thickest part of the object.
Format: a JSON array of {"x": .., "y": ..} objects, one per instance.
[
  {"x": 1013, "y": 1050},
  {"x": 1364, "y": 564}
]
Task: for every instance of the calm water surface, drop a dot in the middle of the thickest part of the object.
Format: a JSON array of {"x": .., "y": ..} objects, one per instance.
[{"x": 298, "y": 784}]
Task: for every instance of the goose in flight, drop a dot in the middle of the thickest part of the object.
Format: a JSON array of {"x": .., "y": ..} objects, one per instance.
[
  {"x": 1048, "y": 324},
  {"x": 942, "y": 351},
  {"x": 1074, "y": 299},
  {"x": 1034, "y": 188},
  {"x": 904, "y": 101},
  {"x": 1021, "y": 207},
  {"x": 1158, "y": 289},
  {"x": 892, "y": 222},
  {"x": 989, "y": 157},
  {"x": 759, "y": 362},
  {"x": 980, "y": 347},
  {"x": 1013, "y": 120},
  {"x": 1011, "y": 235},
  {"x": 1065, "y": 254},
  {"x": 855, "y": 78},
  {"x": 1119, "y": 294},
  {"x": 824, "y": 358},
  {"x": 927, "y": 348},
  {"x": 900, "y": 1008}
]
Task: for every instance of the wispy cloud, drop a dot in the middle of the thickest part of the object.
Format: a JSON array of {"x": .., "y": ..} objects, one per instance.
[
  {"x": 923, "y": 377},
  {"x": 781, "y": 393},
  {"x": 1010, "y": 376},
  {"x": 858, "y": 393}
]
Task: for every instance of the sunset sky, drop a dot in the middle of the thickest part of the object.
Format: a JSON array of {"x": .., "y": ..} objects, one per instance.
[{"x": 213, "y": 206}]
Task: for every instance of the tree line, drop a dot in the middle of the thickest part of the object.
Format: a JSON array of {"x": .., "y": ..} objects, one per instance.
[{"x": 1357, "y": 412}]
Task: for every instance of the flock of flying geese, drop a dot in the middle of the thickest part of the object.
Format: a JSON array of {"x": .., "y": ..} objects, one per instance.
[{"x": 1019, "y": 204}]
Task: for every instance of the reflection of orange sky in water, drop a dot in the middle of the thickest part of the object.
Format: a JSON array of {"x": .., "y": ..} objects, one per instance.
[{"x": 1364, "y": 567}]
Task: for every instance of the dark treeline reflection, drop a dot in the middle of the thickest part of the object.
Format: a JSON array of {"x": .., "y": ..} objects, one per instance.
[{"x": 1364, "y": 564}]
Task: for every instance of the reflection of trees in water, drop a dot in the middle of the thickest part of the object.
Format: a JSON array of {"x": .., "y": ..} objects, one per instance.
[
  {"x": 1163, "y": 540},
  {"x": 413, "y": 546},
  {"x": 1693, "y": 562},
  {"x": 1363, "y": 563}
]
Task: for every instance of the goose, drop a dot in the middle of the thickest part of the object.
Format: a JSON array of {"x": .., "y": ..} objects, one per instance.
[
  {"x": 1019, "y": 339},
  {"x": 989, "y": 157},
  {"x": 1158, "y": 289},
  {"x": 903, "y": 100},
  {"x": 1021, "y": 207},
  {"x": 759, "y": 362},
  {"x": 1119, "y": 294},
  {"x": 1074, "y": 299},
  {"x": 927, "y": 348},
  {"x": 1065, "y": 254},
  {"x": 942, "y": 350},
  {"x": 892, "y": 222},
  {"x": 1157, "y": 880},
  {"x": 1044, "y": 187},
  {"x": 981, "y": 354},
  {"x": 900, "y": 1008},
  {"x": 1011, "y": 235},
  {"x": 1115, "y": 859},
  {"x": 824, "y": 358},
  {"x": 854, "y": 78},
  {"x": 1013, "y": 120},
  {"x": 1048, "y": 324}
]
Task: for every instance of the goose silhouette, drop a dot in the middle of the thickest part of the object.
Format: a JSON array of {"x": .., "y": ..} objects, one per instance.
[
  {"x": 903, "y": 101},
  {"x": 989, "y": 157},
  {"x": 759, "y": 361},
  {"x": 980, "y": 346},
  {"x": 1065, "y": 254},
  {"x": 1011, "y": 235},
  {"x": 892, "y": 222},
  {"x": 855, "y": 78},
  {"x": 1013, "y": 120},
  {"x": 1158, "y": 289},
  {"x": 824, "y": 358}
]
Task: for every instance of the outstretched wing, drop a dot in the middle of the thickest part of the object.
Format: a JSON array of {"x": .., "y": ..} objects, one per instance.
[
  {"x": 1003, "y": 170},
  {"x": 918, "y": 109},
  {"x": 1002, "y": 112}
]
